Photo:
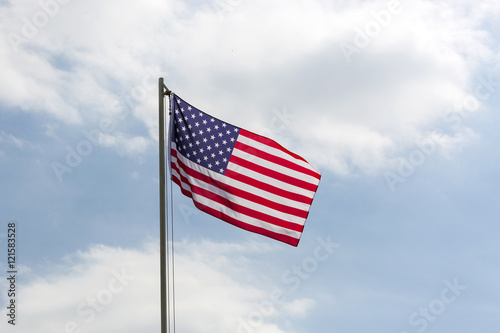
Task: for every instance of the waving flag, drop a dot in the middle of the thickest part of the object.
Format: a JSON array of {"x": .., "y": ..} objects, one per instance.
[{"x": 240, "y": 177}]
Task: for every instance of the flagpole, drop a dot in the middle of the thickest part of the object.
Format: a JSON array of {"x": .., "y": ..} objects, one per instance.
[{"x": 162, "y": 91}]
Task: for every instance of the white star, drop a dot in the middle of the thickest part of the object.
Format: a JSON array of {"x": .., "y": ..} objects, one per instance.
[
  {"x": 223, "y": 125},
  {"x": 212, "y": 137},
  {"x": 196, "y": 124},
  {"x": 228, "y": 132},
  {"x": 224, "y": 160},
  {"x": 194, "y": 152},
  {"x": 205, "y": 140},
  {"x": 205, "y": 158},
  {"x": 217, "y": 162},
  {"x": 198, "y": 160},
  {"x": 209, "y": 165},
  {"x": 216, "y": 127},
  {"x": 221, "y": 170},
  {"x": 216, "y": 145},
  {"x": 204, "y": 121},
  {"x": 201, "y": 132},
  {"x": 212, "y": 120},
  {"x": 189, "y": 108},
  {"x": 213, "y": 155},
  {"x": 232, "y": 139},
  {"x": 224, "y": 141},
  {"x": 201, "y": 150},
  {"x": 221, "y": 152},
  {"x": 197, "y": 142},
  {"x": 209, "y": 147},
  {"x": 209, "y": 130}
]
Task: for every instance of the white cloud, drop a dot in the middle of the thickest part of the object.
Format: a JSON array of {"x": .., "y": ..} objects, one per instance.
[
  {"x": 10, "y": 140},
  {"x": 130, "y": 146},
  {"x": 115, "y": 289},
  {"x": 240, "y": 64},
  {"x": 300, "y": 307}
]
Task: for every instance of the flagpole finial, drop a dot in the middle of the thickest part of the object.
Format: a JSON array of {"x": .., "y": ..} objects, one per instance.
[{"x": 166, "y": 91}]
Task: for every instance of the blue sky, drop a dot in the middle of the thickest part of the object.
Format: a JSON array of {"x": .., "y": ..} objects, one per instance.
[{"x": 395, "y": 102}]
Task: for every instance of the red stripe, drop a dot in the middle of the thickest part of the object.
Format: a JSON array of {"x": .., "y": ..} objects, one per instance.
[
  {"x": 269, "y": 142},
  {"x": 247, "y": 195},
  {"x": 275, "y": 159},
  {"x": 241, "y": 224},
  {"x": 273, "y": 174},
  {"x": 267, "y": 187},
  {"x": 235, "y": 207},
  {"x": 280, "y": 237},
  {"x": 183, "y": 190},
  {"x": 243, "y": 194},
  {"x": 245, "y": 210}
]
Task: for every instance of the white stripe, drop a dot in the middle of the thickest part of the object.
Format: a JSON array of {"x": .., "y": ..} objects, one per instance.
[
  {"x": 268, "y": 195},
  {"x": 184, "y": 185},
  {"x": 242, "y": 217},
  {"x": 276, "y": 167},
  {"x": 269, "y": 180},
  {"x": 243, "y": 186},
  {"x": 239, "y": 200},
  {"x": 275, "y": 151}
]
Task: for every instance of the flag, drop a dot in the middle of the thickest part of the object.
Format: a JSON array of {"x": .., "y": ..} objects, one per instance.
[{"x": 240, "y": 177}]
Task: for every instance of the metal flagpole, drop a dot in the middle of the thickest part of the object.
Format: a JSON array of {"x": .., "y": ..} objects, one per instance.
[{"x": 162, "y": 91}]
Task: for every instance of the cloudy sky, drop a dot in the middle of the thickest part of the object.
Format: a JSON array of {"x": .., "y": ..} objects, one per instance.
[{"x": 395, "y": 102}]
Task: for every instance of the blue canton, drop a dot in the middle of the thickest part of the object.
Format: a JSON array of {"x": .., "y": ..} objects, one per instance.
[{"x": 201, "y": 138}]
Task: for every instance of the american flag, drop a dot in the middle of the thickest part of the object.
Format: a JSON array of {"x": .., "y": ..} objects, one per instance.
[{"x": 240, "y": 177}]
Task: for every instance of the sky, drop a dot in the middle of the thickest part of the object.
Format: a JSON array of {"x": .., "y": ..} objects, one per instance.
[{"x": 394, "y": 102}]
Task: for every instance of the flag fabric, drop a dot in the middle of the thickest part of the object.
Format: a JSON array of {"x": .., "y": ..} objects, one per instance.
[{"x": 240, "y": 177}]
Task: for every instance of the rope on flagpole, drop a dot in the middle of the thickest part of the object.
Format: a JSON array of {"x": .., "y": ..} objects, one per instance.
[
  {"x": 172, "y": 243},
  {"x": 169, "y": 321}
]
